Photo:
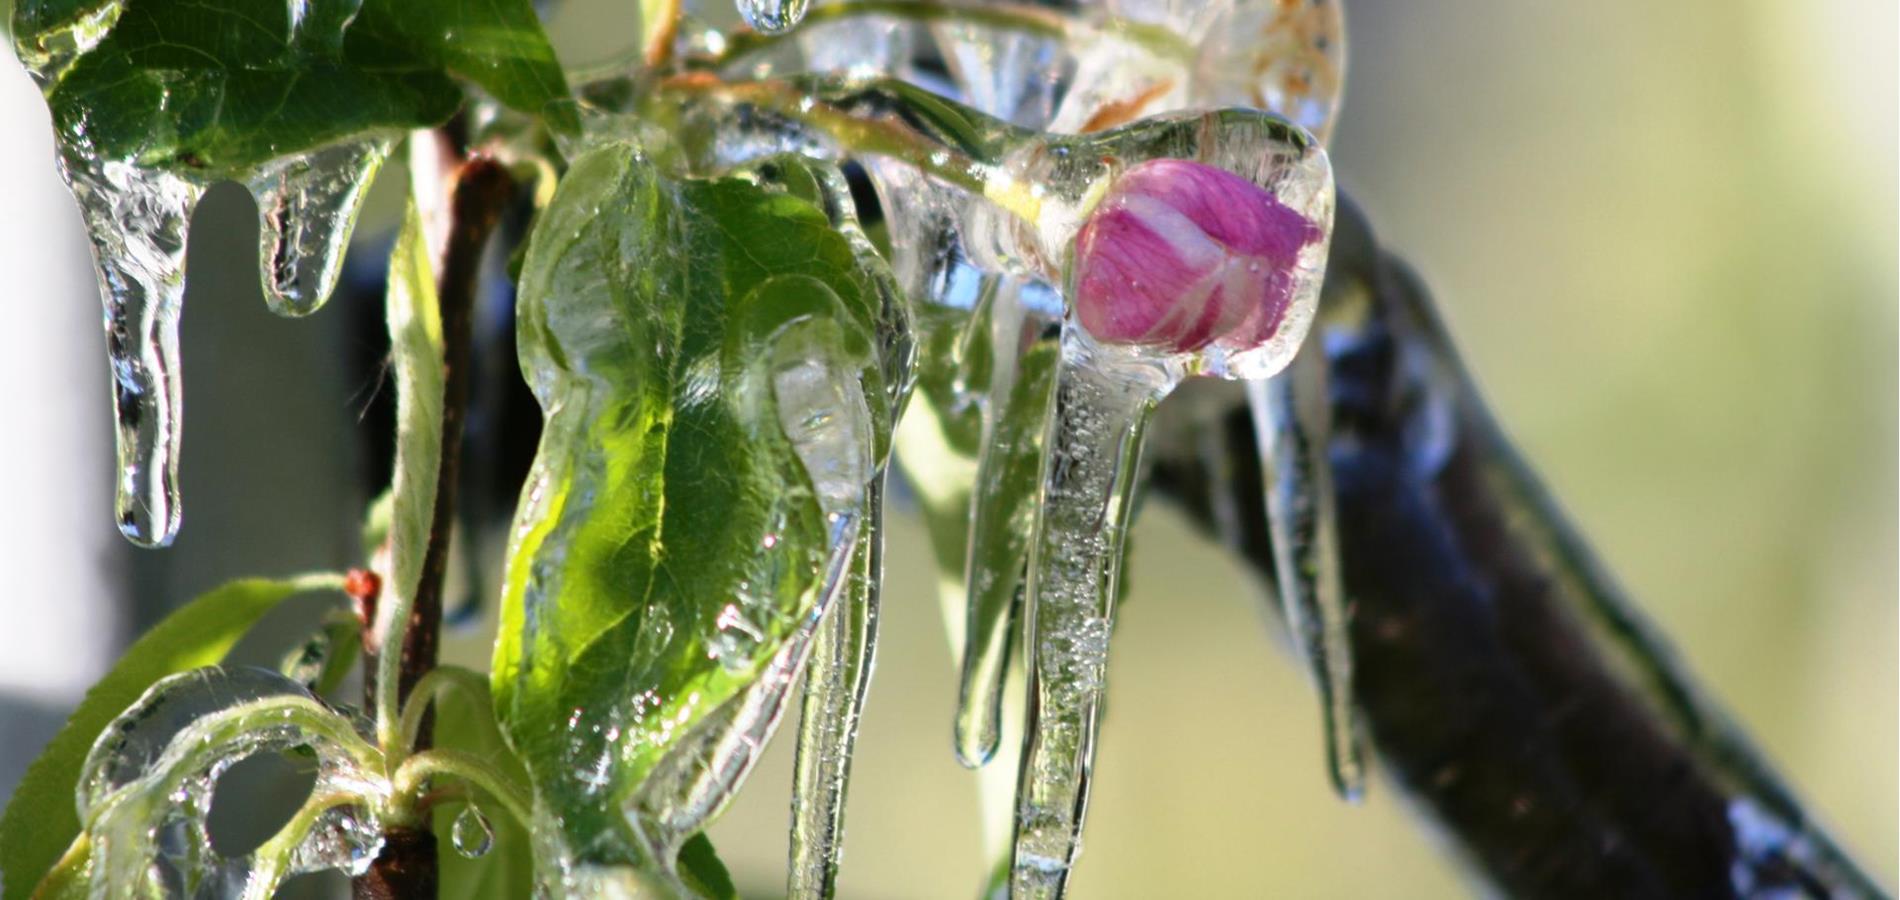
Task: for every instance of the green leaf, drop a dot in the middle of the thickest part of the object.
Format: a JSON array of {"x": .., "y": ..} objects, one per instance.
[
  {"x": 41, "y": 821},
  {"x": 415, "y": 339},
  {"x": 225, "y": 85},
  {"x": 506, "y": 871},
  {"x": 669, "y": 541},
  {"x": 704, "y": 872}
]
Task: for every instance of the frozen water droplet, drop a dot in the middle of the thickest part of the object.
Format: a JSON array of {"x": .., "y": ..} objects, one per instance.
[
  {"x": 137, "y": 220},
  {"x": 307, "y": 206},
  {"x": 472, "y": 834},
  {"x": 773, "y": 16}
]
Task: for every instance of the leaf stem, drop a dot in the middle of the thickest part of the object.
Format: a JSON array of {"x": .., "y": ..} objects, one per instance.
[
  {"x": 433, "y": 684},
  {"x": 417, "y": 769}
]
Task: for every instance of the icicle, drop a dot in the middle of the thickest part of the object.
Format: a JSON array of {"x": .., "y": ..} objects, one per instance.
[
  {"x": 837, "y": 678},
  {"x": 1292, "y": 420},
  {"x": 472, "y": 834},
  {"x": 137, "y": 219},
  {"x": 1103, "y": 402},
  {"x": 306, "y": 209},
  {"x": 1004, "y": 516},
  {"x": 773, "y": 16}
]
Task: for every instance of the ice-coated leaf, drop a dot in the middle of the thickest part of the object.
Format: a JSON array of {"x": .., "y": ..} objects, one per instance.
[
  {"x": 40, "y": 822},
  {"x": 146, "y": 791},
  {"x": 226, "y": 85},
  {"x": 670, "y": 545}
]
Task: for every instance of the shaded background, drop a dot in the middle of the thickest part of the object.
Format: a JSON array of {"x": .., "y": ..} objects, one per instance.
[{"x": 1663, "y": 234}]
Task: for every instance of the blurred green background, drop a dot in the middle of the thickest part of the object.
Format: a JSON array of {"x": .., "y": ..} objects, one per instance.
[{"x": 1663, "y": 234}]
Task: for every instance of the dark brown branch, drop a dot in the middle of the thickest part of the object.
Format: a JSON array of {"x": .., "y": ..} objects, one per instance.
[
  {"x": 1504, "y": 681},
  {"x": 476, "y": 197}
]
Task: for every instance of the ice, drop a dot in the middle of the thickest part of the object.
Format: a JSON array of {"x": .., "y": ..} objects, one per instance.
[
  {"x": 146, "y": 788},
  {"x": 306, "y": 208},
  {"x": 1292, "y": 419},
  {"x": 472, "y": 834},
  {"x": 859, "y": 46},
  {"x": 1105, "y": 396},
  {"x": 823, "y": 412},
  {"x": 137, "y": 219},
  {"x": 1003, "y": 518},
  {"x": 773, "y": 16},
  {"x": 837, "y": 677},
  {"x": 1104, "y": 399}
]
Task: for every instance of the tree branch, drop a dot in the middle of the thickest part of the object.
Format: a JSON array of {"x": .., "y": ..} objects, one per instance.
[
  {"x": 458, "y": 226},
  {"x": 1505, "y": 682}
]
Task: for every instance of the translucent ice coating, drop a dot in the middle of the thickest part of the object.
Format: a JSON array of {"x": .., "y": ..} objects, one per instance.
[
  {"x": 1181, "y": 255},
  {"x": 306, "y": 208},
  {"x": 1108, "y": 199},
  {"x": 695, "y": 504},
  {"x": 1281, "y": 56},
  {"x": 838, "y": 671},
  {"x": 146, "y": 788},
  {"x": 773, "y": 16},
  {"x": 137, "y": 219}
]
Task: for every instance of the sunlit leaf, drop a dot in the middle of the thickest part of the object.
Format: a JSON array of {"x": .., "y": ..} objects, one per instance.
[
  {"x": 224, "y": 85},
  {"x": 669, "y": 541}
]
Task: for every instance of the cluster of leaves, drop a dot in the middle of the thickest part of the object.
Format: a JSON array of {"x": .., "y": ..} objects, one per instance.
[{"x": 218, "y": 88}]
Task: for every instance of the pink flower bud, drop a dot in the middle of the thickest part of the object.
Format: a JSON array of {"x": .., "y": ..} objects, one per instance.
[{"x": 1180, "y": 255}]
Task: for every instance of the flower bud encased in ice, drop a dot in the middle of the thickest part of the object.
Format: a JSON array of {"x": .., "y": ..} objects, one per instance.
[{"x": 1180, "y": 255}]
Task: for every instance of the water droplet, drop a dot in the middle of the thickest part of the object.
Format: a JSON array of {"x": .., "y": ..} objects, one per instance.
[
  {"x": 472, "y": 834},
  {"x": 307, "y": 207},
  {"x": 773, "y": 16}
]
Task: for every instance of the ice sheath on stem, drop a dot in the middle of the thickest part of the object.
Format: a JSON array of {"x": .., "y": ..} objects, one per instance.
[
  {"x": 1102, "y": 407},
  {"x": 837, "y": 677}
]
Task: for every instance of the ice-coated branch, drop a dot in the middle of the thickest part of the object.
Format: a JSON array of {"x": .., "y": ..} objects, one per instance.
[{"x": 1504, "y": 680}]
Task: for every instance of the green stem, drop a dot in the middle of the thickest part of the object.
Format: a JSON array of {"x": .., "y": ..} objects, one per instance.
[
  {"x": 433, "y": 684},
  {"x": 417, "y": 769}
]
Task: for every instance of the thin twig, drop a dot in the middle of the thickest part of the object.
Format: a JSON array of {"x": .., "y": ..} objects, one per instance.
[{"x": 466, "y": 213}]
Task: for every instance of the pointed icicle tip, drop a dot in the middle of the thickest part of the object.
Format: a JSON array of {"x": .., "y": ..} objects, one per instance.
[{"x": 1181, "y": 255}]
